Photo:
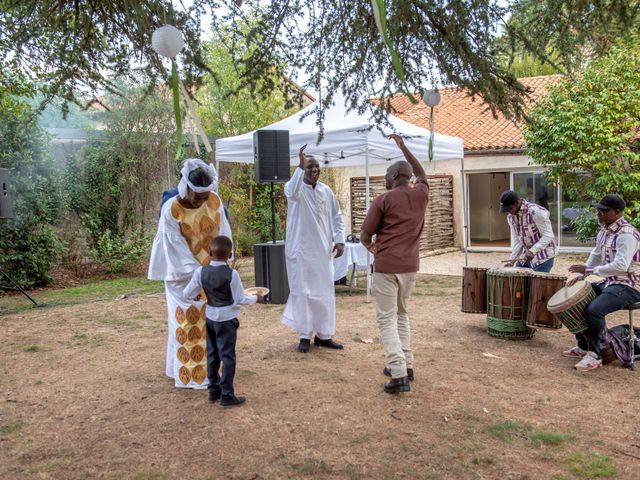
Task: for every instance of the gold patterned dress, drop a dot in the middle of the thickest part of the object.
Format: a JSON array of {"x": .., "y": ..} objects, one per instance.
[{"x": 181, "y": 245}]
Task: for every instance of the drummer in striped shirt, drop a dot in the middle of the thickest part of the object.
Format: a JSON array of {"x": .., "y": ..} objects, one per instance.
[
  {"x": 616, "y": 258},
  {"x": 535, "y": 245}
]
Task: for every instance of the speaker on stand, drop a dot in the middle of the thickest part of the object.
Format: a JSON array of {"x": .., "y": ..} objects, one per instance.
[
  {"x": 6, "y": 208},
  {"x": 271, "y": 164},
  {"x": 271, "y": 156},
  {"x": 6, "y": 212}
]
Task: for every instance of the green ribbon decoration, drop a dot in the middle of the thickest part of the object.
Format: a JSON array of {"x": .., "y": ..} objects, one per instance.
[
  {"x": 431, "y": 136},
  {"x": 178, "y": 114},
  {"x": 380, "y": 15}
]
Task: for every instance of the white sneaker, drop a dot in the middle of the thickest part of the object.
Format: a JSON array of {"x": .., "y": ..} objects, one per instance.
[
  {"x": 589, "y": 362},
  {"x": 574, "y": 352}
]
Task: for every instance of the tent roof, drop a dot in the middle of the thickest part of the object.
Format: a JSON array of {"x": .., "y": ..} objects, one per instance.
[{"x": 347, "y": 135}]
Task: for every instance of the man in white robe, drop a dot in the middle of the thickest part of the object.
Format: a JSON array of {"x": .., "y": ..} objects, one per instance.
[
  {"x": 188, "y": 223},
  {"x": 315, "y": 231}
]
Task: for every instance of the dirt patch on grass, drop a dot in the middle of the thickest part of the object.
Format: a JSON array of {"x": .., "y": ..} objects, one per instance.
[{"x": 83, "y": 395}]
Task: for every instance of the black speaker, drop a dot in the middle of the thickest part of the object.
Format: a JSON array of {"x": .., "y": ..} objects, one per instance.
[
  {"x": 6, "y": 209},
  {"x": 271, "y": 155},
  {"x": 271, "y": 270}
]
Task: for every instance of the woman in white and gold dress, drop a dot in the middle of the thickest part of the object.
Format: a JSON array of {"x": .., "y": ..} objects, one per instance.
[{"x": 188, "y": 223}]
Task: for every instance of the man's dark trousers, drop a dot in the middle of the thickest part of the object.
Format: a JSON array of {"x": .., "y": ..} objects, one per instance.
[
  {"x": 544, "y": 267},
  {"x": 221, "y": 348},
  {"x": 608, "y": 300}
]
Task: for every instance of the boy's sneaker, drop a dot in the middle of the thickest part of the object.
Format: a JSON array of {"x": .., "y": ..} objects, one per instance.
[
  {"x": 589, "y": 362},
  {"x": 214, "y": 395},
  {"x": 575, "y": 352},
  {"x": 227, "y": 401}
]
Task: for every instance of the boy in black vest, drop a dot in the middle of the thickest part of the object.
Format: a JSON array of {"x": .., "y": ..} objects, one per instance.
[{"x": 225, "y": 294}]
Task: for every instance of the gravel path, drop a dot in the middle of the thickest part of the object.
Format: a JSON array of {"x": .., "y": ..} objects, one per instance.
[{"x": 452, "y": 263}]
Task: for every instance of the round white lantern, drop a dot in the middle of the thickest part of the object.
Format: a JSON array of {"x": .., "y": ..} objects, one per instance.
[
  {"x": 431, "y": 98},
  {"x": 167, "y": 41}
]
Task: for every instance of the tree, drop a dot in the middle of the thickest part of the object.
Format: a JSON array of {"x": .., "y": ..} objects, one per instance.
[
  {"x": 338, "y": 47},
  {"x": 569, "y": 33},
  {"x": 224, "y": 114},
  {"x": 29, "y": 246},
  {"x": 50, "y": 116},
  {"x": 72, "y": 47},
  {"x": 69, "y": 47},
  {"x": 227, "y": 106},
  {"x": 587, "y": 131},
  {"x": 527, "y": 65},
  {"x": 115, "y": 185},
  {"x": 127, "y": 165}
]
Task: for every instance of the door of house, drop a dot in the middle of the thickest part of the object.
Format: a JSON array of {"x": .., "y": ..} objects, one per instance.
[{"x": 487, "y": 226}]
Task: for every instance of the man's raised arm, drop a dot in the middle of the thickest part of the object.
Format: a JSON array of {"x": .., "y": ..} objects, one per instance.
[
  {"x": 292, "y": 187},
  {"x": 417, "y": 169}
]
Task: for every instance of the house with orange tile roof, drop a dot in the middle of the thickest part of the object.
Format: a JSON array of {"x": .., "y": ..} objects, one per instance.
[{"x": 495, "y": 159}]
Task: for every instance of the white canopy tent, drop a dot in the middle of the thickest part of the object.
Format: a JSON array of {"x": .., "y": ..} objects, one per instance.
[{"x": 348, "y": 140}]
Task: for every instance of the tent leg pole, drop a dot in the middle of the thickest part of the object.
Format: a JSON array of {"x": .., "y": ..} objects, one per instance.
[
  {"x": 465, "y": 221},
  {"x": 273, "y": 214},
  {"x": 366, "y": 204}
]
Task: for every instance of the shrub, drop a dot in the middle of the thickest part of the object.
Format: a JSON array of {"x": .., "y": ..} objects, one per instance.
[
  {"x": 118, "y": 253},
  {"x": 585, "y": 131},
  {"x": 29, "y": 246}
]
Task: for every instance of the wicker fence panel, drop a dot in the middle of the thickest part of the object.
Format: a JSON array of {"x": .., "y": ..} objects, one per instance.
[{"x": 438, "y": 226}]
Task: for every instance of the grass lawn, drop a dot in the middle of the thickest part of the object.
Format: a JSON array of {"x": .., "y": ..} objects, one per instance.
[{"x": 90, "y": 292}]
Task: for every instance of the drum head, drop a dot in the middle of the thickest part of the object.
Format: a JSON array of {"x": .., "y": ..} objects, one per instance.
[
  {"x": 550, "y": 276},
  {"x": 567, "y": 297},
  {"x": 510, "y": 272}
]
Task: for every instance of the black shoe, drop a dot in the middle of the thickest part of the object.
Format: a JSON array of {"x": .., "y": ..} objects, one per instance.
[
  {"x": 305, "y": 345},
  {"x": 397, "y": 385},
  {"x": 214, "y": 395},
  {"x": 330, "y": 343},
  {"x": 227, "y": 401},
  {"x": 387, "y": 372}
]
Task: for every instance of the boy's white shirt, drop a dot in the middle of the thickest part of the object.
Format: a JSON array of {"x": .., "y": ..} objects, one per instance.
[{"x": 221, "y": 314}]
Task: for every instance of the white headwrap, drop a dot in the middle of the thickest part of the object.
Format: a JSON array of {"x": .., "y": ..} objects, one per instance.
[{"x": 191, "y": 164}]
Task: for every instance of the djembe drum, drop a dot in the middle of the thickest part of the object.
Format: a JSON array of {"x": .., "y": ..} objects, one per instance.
[
  {"x": 474, "y": 290},
  {"x": 569, "y": 305},
  {"x": 507, "y": 290},
  {"x": 542, "y": 286}
]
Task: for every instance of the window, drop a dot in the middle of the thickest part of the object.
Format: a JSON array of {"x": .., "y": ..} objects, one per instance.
[
  {"x": 570, "y": 206},
  {"x": 535, "y": 187}
]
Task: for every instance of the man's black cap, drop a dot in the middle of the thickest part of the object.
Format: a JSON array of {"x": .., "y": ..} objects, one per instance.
[
  {"x": 609, "y": 201},
  {"x": 507, "y": 199}
]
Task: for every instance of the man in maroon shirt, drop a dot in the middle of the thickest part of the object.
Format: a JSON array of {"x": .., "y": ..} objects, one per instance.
[{"x": 396, "y": 218}]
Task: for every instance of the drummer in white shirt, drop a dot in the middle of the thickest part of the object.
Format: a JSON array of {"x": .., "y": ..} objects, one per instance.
[{"x": 616, "y": 258}]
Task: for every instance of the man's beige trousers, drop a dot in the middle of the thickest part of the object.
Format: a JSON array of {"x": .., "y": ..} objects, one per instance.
[{"x": 392, "y": 292}]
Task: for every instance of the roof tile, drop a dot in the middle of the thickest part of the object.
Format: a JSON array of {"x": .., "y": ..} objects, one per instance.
[{"x": 470, "y": 118}]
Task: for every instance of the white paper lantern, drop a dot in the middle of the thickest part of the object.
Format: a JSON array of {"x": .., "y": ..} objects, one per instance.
[
  {"x": 167, "y": 41},
  {"x": 431, "y": 98}
]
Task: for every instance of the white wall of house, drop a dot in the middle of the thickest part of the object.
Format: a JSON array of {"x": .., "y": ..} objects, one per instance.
[
  {"x": 514, "y": 165},
  {"x": 472, "y": 164}
]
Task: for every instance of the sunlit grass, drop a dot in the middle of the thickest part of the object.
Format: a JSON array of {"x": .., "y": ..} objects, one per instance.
[{"x": 100, "y": 290}]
